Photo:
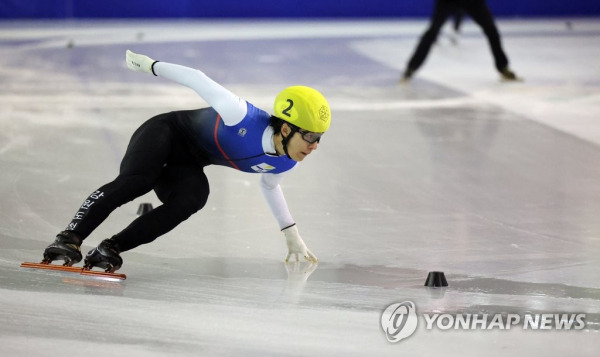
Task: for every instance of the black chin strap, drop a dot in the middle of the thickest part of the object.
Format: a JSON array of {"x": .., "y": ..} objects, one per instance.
[{"x": 284, "y": 141}]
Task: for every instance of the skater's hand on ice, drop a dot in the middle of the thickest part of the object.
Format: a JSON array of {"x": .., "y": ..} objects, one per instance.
[
  {"x": 296, "y": 245},
  {"x": 140, "y": 63},
  {"x": 299, "y": 272}
]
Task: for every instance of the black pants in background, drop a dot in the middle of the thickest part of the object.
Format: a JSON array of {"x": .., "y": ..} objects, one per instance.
[
  {"x": 156, "y": 159},
  {"x": 478, "y": 11}
]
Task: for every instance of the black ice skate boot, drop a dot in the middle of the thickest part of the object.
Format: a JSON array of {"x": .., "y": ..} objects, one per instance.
[
  {"x": 408, "y": 74},
  {"x": 65, "y": 247},
  {"x": 105, "y": 256},
  {"x": 509, "y": 76}
]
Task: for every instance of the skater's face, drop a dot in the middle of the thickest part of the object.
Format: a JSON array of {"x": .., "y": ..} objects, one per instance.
[{"x": 299, "y": 146}]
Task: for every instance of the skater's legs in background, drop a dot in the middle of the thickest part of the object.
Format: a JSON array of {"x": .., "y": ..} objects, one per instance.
[
  {"x": 443, "y": 9},
  {"x": 457, "y": 20},
  {"x": 481, "y": 14}
]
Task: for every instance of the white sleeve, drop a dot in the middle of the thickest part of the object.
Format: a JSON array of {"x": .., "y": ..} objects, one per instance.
[
  {"x": 269, "y": 184},
  {"x": 231, "y": 107}
]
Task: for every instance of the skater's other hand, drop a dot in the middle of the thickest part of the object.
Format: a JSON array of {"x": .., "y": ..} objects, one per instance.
[
  {"x": 139, "y": 63},
  {"x": 296, "y": 245}
]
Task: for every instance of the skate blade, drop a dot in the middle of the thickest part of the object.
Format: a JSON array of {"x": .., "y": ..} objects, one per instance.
[
  {"x": 515, "y": 80},
  {"x": 71, "y": 269}
]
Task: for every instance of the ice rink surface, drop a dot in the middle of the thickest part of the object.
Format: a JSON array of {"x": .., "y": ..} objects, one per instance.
[{"x": 496, "y": 184}]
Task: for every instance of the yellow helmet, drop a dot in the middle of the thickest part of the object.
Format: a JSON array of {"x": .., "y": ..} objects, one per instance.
[{"x": 303, "y": 107}]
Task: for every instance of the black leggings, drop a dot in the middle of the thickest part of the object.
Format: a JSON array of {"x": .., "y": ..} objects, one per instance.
[
  {"x": 478, "y": 11},
  {"x": 156, "y": 158}
]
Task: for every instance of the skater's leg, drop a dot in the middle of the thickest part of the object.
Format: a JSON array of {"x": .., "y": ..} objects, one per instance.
[
  {"x": 442, "y": 10},
  {"x": 457, "y": 20},
  {"x": 141, "y": 167},
  {"x": 481, "y": 14},
  {"x": 183, "y": 190}
]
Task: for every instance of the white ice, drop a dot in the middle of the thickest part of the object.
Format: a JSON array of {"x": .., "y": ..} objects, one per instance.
[{"x": 495, "y": 184}]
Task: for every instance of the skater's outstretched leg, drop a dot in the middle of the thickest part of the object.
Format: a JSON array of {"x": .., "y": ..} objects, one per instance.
[{"x": 142, "y": 165}]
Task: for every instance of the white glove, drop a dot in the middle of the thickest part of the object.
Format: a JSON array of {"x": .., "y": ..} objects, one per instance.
[
  {"x": 140, "y": 63},
  {"x": 296, "y": 245}
]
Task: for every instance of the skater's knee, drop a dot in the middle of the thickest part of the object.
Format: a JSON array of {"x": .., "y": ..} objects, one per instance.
[
  {"x": 186, "y": 206},
  {"x": 195, "y": 203}
]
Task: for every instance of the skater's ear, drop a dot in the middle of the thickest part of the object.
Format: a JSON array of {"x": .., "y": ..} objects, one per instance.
[{"x": 285, "y": 129}]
